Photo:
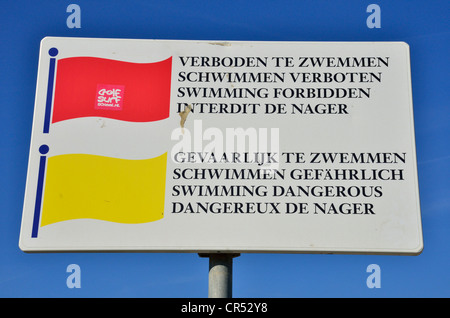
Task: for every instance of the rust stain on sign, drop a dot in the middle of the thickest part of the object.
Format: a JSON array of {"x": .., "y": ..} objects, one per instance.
[
  {"x": 184, "y": 115},
  {"x": 220, "y": 43}
]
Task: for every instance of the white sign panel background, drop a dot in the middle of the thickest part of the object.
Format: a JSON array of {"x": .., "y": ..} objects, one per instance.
[{"x": 187, "y": 146}]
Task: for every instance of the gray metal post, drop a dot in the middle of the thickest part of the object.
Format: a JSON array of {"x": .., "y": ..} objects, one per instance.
[{"x": 220, "y": 278}]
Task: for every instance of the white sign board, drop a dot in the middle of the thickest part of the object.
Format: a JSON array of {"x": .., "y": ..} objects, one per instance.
[{"x": 197, "y": 146}]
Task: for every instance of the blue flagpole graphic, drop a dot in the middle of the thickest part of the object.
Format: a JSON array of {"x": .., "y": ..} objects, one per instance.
[
  {"x": 40, "y": 187},
  {"x": 51, "y": 76}
]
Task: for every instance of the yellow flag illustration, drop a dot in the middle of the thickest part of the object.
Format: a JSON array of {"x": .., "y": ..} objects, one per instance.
[{"x": 95, "y": 187}]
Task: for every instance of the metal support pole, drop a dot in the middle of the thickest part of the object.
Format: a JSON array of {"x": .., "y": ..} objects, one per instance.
[{"x": 220, "y": 278}]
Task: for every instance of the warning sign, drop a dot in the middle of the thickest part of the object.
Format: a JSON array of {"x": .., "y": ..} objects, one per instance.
[{"x": 196, "y": 146}]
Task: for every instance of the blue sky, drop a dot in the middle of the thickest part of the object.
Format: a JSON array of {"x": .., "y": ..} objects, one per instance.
[{"x": 422, "y": 24}]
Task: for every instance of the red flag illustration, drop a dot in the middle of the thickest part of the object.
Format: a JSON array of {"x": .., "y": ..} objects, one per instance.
[{"x": 98, "y": 87}]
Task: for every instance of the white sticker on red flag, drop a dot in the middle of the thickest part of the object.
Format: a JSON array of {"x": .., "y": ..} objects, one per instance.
[{"x": 109, "y": 97}]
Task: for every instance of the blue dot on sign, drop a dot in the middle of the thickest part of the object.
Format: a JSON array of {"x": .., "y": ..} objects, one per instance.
[
  {"x": 44, "y": 149},
  {"x": 53, "y": 51}
]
